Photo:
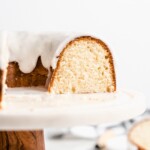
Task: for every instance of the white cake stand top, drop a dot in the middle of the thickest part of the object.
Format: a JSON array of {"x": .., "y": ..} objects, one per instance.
[{"x": 36, "y": 109}]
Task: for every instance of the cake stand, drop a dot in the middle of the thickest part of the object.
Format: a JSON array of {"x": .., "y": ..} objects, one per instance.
[{"x": 26, "y": 112}]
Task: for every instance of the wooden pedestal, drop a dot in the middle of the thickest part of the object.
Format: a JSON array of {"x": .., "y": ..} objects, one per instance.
[{"x": 22, "y": 140}]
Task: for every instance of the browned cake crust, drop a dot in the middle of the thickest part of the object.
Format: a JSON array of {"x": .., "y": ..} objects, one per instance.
[
  {"x": 1, "y": 79},
  {"x": 78, "y": 39},
  {"x": 16, "y": 78}
]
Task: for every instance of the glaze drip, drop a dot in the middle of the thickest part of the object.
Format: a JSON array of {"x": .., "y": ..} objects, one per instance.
[{"x": 25, "y": 49}]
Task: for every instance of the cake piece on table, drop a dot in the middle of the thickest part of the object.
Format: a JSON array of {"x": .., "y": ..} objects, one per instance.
[{"x": 139, "y": 134}]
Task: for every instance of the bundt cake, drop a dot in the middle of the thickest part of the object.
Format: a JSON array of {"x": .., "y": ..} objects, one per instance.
[
  {"x": 63, "y": 64},
  {"x": 139, "y": 135}
]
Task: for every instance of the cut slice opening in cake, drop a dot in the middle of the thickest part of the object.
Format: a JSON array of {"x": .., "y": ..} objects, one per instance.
[{"x": 16, "y": 78}]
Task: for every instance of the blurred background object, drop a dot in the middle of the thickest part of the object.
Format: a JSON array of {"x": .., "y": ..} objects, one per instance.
[{"x": 103, "y": 137}]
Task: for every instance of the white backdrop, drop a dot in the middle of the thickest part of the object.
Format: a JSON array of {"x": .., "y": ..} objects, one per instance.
[{"x": 123, "y": 24}]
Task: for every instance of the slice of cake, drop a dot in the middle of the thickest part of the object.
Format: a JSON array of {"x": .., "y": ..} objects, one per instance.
[
  {"x": 139, "y": 135},
  {"x": 78, "y": 64},
  {"x": 85, "y": 65}
]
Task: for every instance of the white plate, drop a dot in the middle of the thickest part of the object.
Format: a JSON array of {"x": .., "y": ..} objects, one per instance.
[{"x": 36, "y": 109}]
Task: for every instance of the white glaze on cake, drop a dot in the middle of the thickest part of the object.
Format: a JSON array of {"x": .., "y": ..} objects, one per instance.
[{"x": 25, "y": 48}]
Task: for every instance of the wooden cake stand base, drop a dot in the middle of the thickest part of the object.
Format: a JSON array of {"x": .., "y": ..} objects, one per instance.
[{"x": 22, "y": 140}]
